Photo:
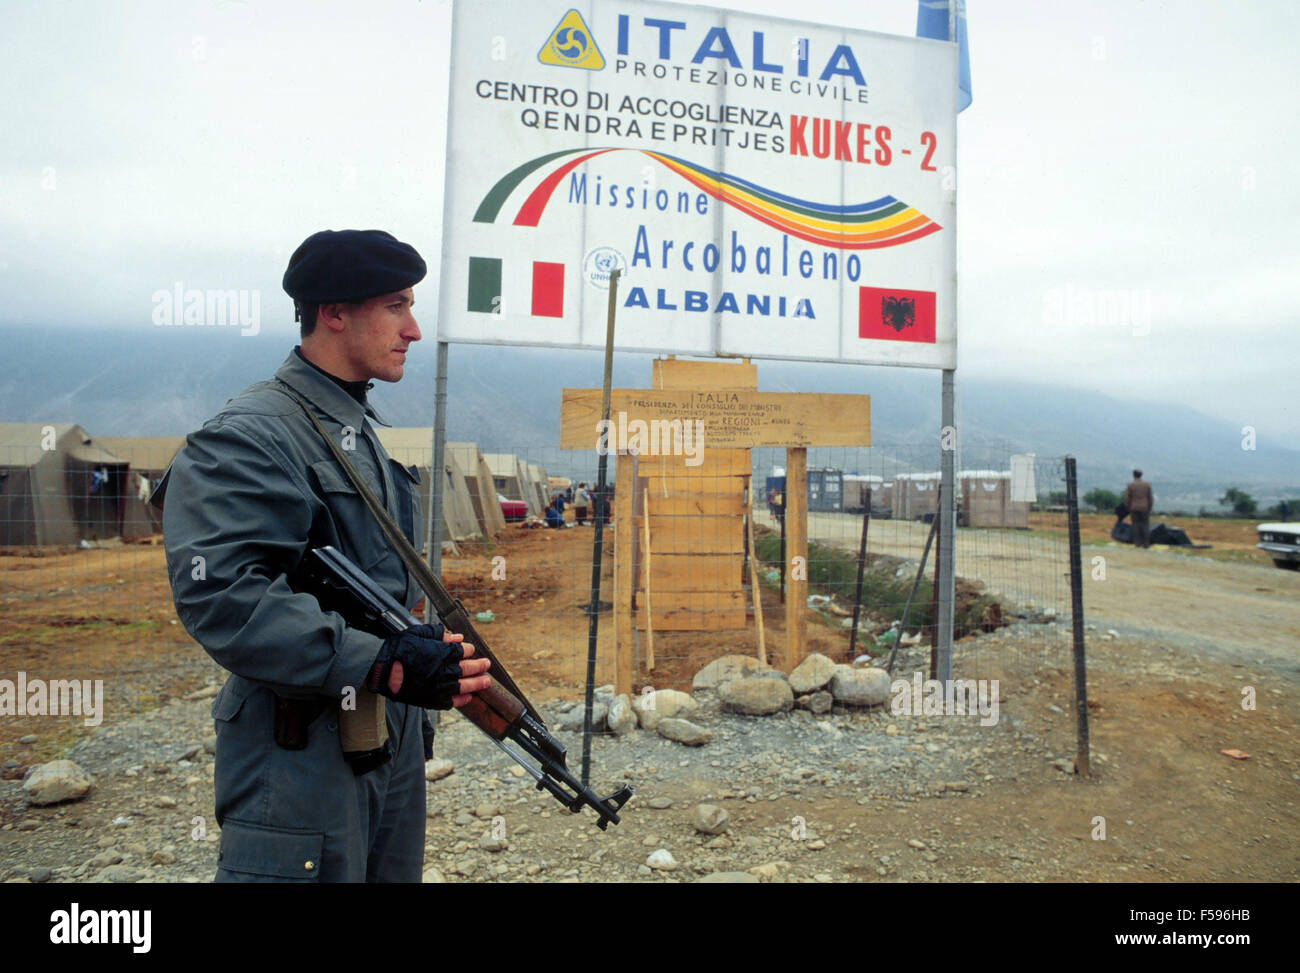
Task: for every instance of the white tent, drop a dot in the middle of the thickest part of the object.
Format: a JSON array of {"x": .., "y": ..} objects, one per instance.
[{"x": 413, "y": 446}]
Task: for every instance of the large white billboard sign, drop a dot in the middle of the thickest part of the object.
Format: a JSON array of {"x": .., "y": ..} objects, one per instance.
[{"x": 767, "y": 188}]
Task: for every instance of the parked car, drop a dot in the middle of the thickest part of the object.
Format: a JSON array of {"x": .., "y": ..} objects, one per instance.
[
  {"x": 1282, "y": 543},
  {"x": 512, "y": 510}
]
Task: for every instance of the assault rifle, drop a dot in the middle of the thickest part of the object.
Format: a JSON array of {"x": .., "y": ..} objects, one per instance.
[{"x": 340, "y": 586}]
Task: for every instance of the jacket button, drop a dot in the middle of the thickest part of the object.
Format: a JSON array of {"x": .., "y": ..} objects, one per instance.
[{"x": 309, "y": 865}]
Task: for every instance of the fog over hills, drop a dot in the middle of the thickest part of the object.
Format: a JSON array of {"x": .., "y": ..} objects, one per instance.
[{"x": 168, "y": 381}]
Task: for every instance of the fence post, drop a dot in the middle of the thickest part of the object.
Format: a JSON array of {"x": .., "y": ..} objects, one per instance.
[{"x": 1076, "y": 614}]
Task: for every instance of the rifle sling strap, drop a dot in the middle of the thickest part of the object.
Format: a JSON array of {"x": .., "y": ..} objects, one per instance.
[{"x": 449, "y": 609}]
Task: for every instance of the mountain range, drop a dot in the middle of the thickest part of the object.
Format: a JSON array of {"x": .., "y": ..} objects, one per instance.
[{"x": 167, "y": 381}]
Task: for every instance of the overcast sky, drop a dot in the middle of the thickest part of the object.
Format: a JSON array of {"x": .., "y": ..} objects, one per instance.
[{"x": 1139, "y": 148}]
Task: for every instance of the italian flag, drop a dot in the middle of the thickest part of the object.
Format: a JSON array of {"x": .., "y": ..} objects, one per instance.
[{"x": 485, "y": 293}]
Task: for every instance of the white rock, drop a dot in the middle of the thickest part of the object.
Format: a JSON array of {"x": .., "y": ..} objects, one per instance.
[
  {"x": 662, "y": 860},
  {"x": 684, "y": 731},
  {"x": 662, "y": 704},
  {"x": 709, "y": 819},
  {"x": 58, "y": 780},
  {"x": 438, "y": 769},
  {"x": 812, "y": 674},
  {"x": 860, "y": 687},
  {"x": 756, "y": 696},
  {"x": 621, "y": 717},
  {"x": 724, "y": 670}
]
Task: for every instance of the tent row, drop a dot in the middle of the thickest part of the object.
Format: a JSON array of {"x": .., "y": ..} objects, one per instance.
[
  {"x": 517, "y": 479},
  {"x": 59, "y": 485}
]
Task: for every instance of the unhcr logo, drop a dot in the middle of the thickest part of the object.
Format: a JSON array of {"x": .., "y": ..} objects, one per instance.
[
  {"x": 571, "y": 45},
  {"x": 193, "y": 307},
  {"x": 657, "y": 437}
]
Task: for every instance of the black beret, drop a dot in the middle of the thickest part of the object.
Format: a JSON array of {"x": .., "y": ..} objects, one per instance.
[{"x": 351, "y": 265}]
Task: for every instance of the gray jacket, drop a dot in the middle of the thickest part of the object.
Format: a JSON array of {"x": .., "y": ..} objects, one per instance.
[{"x": 246, "y": 498}]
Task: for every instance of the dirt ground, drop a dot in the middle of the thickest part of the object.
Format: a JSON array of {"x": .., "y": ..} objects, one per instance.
[{"x": 1192, "y": 639}]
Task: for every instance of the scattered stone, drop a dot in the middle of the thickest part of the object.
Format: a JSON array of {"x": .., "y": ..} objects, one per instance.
[
  {"x": 487, "y": 810},
  {"x": 684, "y": 731},
  {"x": 489, "y": 843},
  {"x": 661, "y": 860},
  {"x": 812, "y": 674},
  {"x": 164, "y": 857},
  {"x": 210, "y": 744},
  {"x": 662, "y": 704},
  {"x": 576, "y": 718},
  {"x": 956, "y": 785},
  {"x": 756, "y": 696},
  {"x": 1055, "y": 709},
  {"x": 39, "y": 875},
  {"x": 817, "y": 845},
  {"x": 207, "y": 692},
  {"x": 660, "y": 803},
  {"x": 165, "y": 801},
  {"x": 120, "y": 873},
  {"x": 438, "y": 769},
  {"x": 1064, "y": 765},
  {"x": 621, "y": 717},
  {"x": 58, "y": 780},
  {"x": 916, "y": 843},
  {"x": 860, "y": 687},
  {"x": 731, "y": 878},
  {"x": 769, "y": 869},
  {"x": 29, "y": 738},
  {"x": 710, "y": 819},
  {"x": 28, "y": 825},
  {"x": 433, "y": 876},
  {"x": 720, "y": 843},
  {"x": 819, "y": 702},
  {"x": 727, "y": 668}
]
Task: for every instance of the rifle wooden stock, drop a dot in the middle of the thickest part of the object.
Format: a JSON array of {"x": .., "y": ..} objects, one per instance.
[{"x": 493, "y": 710}]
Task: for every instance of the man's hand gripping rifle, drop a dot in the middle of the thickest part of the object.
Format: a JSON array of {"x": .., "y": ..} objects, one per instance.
[{"x": 501, "y": 711}]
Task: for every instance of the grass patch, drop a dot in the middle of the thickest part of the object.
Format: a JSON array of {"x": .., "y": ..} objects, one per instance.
[{"x": 834, "y": 571}]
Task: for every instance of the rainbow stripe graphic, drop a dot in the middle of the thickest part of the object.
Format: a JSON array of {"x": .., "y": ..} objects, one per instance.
[{"x": 883, "y": 222}]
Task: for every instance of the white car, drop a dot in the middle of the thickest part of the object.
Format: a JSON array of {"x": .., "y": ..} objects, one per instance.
[{"x": 1282, "y": 543}]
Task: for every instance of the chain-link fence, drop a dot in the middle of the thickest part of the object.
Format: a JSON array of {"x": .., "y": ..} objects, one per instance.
[{"x": 695, "y": 561}]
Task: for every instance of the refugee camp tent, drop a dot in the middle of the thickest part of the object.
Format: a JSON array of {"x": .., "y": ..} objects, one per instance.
[
  {"x": 482, "y": 491},
  {"x": 511, "y": 480},
  {"x": 149, "y": 457},
  {"x": 413, "y": 446},
  {"x": 58, "y": 486},
  {"x": 540, "y": 482}
]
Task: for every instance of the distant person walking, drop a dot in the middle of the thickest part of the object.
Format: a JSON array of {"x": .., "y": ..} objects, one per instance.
[
  {"x": 581, "y": 501},
  {"x": 1139, "y": 499}
]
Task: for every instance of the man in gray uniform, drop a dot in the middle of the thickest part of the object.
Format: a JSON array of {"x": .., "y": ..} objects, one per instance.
[{"x": 247, "y": 497}]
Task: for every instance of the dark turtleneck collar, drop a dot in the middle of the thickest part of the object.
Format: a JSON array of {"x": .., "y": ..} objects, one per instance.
[{"x": 355, "y": 389}]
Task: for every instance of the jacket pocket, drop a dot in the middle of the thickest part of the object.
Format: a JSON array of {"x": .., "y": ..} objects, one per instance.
[
  {"x": 406, "y": 480},
  {"x": 262, "y": 853},
  {"x": 358, "y": 535},
  {"x": 231, "y": 699}
]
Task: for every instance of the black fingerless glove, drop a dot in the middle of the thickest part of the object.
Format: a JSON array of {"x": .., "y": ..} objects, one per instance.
[{"x": 430, "y": 668}]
